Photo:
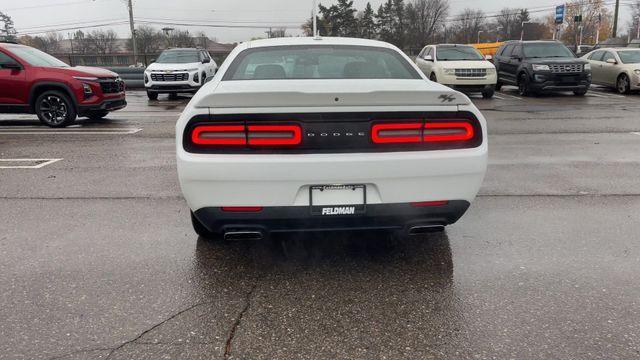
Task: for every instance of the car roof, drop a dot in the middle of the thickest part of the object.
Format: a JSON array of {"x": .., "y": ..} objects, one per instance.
[
  {"x": 292, "y": 41},
  {"x": 452, "y": 45}
]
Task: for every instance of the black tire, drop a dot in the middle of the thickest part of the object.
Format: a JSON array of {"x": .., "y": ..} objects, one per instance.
[
  {"x": 202, "y": 231},
  {"x": 152, "y": 95},
  {"x": 498, "y": 86},
  {"x": 433, "y": 77},
  {"x": 55, "y": 109},
  {"x": 173, "y": 96},
  {"x": 580, "y": 92},
  {"x": 488, "y": 93},
  {"x": 623, "y": 84},
  {"x": 523, "y": 85},
  {"x": 97, "y": 115}
]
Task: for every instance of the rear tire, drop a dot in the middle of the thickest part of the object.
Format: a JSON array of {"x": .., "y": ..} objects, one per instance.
[
  {"x": 152, "y": 95},
  {"x": 498, "y": 86},
  {"x": 202, "y": 231},
  {"x": 433, "y": 78},
  {"x": 623, "y": 85},
  {"x": 55, "y": 109},
  {"x": 488, "y": 93},
  {"x": 173, "y": 96}
]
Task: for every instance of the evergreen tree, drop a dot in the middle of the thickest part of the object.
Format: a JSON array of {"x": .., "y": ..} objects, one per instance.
[
  {"x": 7, "y": 29},
  {"x": 367, "y": 23}
]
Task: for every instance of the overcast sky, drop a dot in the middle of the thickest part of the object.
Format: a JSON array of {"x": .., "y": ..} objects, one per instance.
[{"x": 38, "y": 15}]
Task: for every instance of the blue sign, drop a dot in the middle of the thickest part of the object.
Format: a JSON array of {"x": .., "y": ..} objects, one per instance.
[{"x": 559, "y": 14}]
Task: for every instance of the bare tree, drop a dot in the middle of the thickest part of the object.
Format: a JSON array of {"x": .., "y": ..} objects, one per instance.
[
  {"x": 595, "y": 14},
  {"x": 49, "y": 43},
  {"x": 148, "y": 40},
  {"x": 181, "y": 38},
  {"x": 468, "y": 23},
  {"x": 424, "y": 17},
  {"x": 81, "y": 44},
  {"x": 102, "y": 42}
]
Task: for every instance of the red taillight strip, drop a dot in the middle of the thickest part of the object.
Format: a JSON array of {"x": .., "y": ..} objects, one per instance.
[
  {"x": 429, "y": 203},
  {"x": 448, "y": 131},
  {"x": 219, "y": 135},
  {"x": 275, "y": 135},
  {"x": 242, "y": 208},
  {"x": 393, "y": 133}
]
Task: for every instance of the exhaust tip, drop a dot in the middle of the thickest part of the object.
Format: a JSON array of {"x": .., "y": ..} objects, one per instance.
[
  {"x": 425, "y": 229},
  {"x": 243, "y": 235}
]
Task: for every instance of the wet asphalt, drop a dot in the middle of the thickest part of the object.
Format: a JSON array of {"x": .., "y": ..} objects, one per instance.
[{"x": 98, "y": 259}]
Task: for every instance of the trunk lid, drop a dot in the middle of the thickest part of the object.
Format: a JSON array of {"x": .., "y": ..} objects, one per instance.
[{"x": 330, "y": 93}]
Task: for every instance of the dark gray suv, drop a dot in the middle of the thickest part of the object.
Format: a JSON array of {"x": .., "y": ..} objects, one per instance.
[{"x": 541, "y": 66}]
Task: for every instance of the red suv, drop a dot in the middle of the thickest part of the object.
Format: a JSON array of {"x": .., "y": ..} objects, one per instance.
[{"x": 34, "y": 82}]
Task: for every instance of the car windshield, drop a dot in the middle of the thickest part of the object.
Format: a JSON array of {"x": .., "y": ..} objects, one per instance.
[
  {"x": 630, "y": 56},
  {"x": 320, "y": 62},
  {"x": 36, "y": 57},
  {"x": 546, "y": 50},
  {"x": 458, "y": 53},
  {"x": 178, "y": 57}
]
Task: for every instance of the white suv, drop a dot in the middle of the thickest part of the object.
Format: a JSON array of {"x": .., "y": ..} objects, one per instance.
[
  {"x": 178, "y": 71},
  {"x": 460, "y": 67}
]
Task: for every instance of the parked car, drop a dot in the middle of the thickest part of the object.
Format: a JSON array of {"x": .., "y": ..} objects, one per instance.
[
  {"x": 541, "y": 66},
  {"x": 460, "y": 67},
  {"x": 306, "y": 134},
  {"x": 178, "y": 71},
  {"x": 616, "y": 67},
  {"x": 34, "y": 82}
]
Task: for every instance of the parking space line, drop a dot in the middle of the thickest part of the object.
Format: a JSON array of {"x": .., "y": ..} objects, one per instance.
[
  {"x": 636, "y": 133},
  {"x": 23, "y": 130},
  {"x": 511, "y": 96},
  {"x": 40, "y": 163},
  {"x": 499, "y": 97},
  {"x": 605, "y": 94}
]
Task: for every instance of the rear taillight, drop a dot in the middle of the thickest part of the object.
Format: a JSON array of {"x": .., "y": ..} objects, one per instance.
[
  {"x": 438, "y": 133},
  {"x": 242, "y": 209},
  {"x": 219, "y": 135},
  {"x": 246, "y": 136},
  {"x": 397, "y": 133},
  {"x": 274, "y": 135},
  {"x": 447, "y": 131}
]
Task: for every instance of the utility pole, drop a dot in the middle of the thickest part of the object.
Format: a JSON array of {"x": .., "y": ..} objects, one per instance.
[
  {"x": 315, "y": 20},
  {"x": 615, "y": 19},
  {"x": 133, "y": 33}
]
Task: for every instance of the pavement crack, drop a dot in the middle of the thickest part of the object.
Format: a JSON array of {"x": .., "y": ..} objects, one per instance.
[
  {"x": 113, "y": 350},
  {"x": 236, "y": 323}
]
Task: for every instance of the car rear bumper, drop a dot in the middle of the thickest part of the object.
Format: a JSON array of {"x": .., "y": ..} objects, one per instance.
[
  {"x": 217, "y": 180},
  {"x": 300, "y": 218}
]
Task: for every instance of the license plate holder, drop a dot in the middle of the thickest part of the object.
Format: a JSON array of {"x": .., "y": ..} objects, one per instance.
[{"x": 338, "y": 199}]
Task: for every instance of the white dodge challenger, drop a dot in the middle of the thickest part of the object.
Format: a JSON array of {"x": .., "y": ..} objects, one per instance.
[{"x": 314, "y": 134}]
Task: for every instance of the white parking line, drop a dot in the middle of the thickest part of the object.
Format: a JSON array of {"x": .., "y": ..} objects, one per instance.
[
  {"x": 636, "y": 133},
  {"x": 511, "y": 96},
  {"x": 605, "y": 94},
  {"x": 39, "y": 163},
  {"x": 499, "y": 97},
  {"x": 23, "y": 130}
]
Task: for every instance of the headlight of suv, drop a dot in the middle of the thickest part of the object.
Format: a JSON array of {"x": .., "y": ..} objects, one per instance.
[
  {"x": 587, "y": 67},
  {"x": 538, "y": 67},
  {"x": 637, "y": 71},
  {"x": 449, "y": 71},
  {"x": 491, "y": 71}
]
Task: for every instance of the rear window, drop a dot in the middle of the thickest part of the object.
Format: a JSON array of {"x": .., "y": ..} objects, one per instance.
[{"x": 319, "y": 62}]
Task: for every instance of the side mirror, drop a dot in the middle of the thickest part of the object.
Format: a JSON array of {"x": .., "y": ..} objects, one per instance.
[
  {"x": 428, "y": 58},
  {"x": 152, "y": 61},
  {"x": 11, "y": 66},
  {"x": 488, "y": 57},
  {"x": 206, "y": 61},
  {"x": 206, "y": 80},
  {"x": 612, "y": 61}
]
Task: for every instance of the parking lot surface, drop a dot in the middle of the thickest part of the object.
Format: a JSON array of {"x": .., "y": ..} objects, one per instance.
[{"x": 98, "y": 259}]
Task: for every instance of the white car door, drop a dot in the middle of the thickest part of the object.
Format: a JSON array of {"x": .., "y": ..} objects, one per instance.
[{"x": 427, "y": 61}]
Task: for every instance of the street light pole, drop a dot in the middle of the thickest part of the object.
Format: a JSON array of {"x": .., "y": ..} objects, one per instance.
[
  {"x": 522, "y": 32},
  {"x": 133, "y": 33},
  {"x": 615, "y": 19},
  {"x": 638, "y": 34},
  {"x": 315, "y": 20},
  {"x": 479, "y": 32}
]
